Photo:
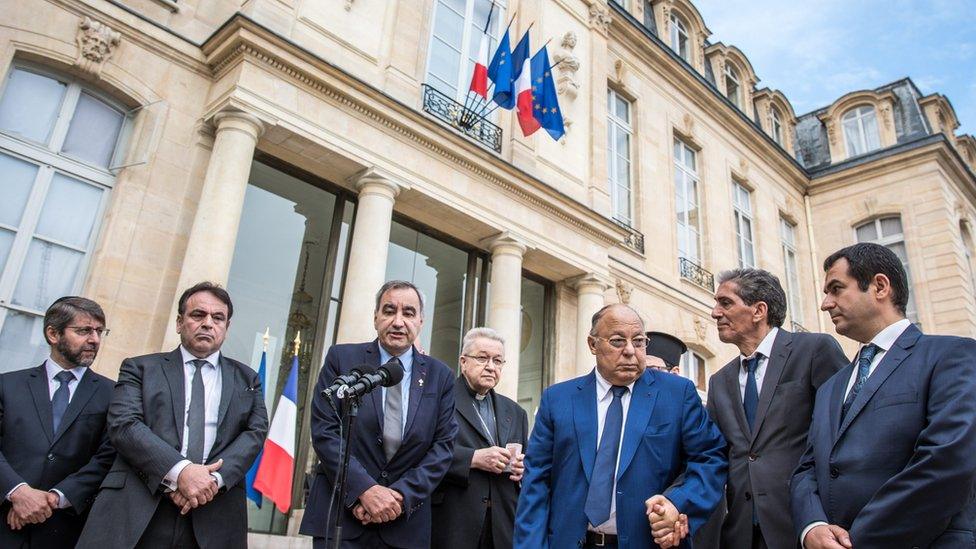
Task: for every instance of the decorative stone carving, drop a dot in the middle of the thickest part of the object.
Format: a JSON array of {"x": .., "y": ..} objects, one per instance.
[
  {"x": 743, "y": 167},
  {"x": 348, "y": 5},
  {"x": 689, "y": 124},
  {"x": 870, "y": 205},
  {"x": 700, "y": 329},
  {"x": 96, "y": 44},
  {"x": 600, "y": 18},
  {"x": 567, "y": 65},
  {"x": 886, "y": 114},
  {"x": 624, "y": 290},
  {"x": 832, "y": 132},
  {"x": 619, "y": 71}
]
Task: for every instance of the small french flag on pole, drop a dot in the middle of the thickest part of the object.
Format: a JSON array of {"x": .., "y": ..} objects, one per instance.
[
  {"x": 479, "y": 79},
  {"x": 276, "y": 472}
]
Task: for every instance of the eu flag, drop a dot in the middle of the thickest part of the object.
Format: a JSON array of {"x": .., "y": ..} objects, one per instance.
[
  {"x": 252, "y": 493},
  {"x": 545, "y": 104},
  {"x": 505, "y": 93},
  {"x": 500, "y": 68}
]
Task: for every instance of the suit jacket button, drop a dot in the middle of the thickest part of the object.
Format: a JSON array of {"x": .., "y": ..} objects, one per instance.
[
  {"x": 748, "y": 496},
  {"x": 834, "y": 472},
  {"x": 50, "y": 457},
  {"x": 753, "y": 457},
  {"x": 383, "y": 474}
]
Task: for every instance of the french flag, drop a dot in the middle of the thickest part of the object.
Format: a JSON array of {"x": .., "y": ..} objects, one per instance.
[
  {"x": 524, "y": 100},
  {"x": 276, "y": 472},
  {"x": 479, "y": 79}
]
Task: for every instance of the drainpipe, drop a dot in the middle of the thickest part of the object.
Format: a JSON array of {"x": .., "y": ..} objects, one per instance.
[{"x": 814, "y": 264}]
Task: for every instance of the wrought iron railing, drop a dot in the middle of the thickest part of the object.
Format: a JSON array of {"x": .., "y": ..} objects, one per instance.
[
  {"x": 462, "y": 118},
  {"x": 797, "y": 327},
  {"x": 696, "y": 273},
  {"x": 634, "y": 239}
]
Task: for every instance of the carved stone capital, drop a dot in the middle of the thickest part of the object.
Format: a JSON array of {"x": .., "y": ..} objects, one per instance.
[
  {"x": 96, "y": 44},
  {"x": 600, "y": 18},
  {"x": 590, "y": 283},
  {"x": 376, "y": 181},
  {"x": 506, "y": 243}
]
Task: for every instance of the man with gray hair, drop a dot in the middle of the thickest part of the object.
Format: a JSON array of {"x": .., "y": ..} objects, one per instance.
[
  {"x": 474, "y": 507},
  {"x": 763, "y": 403},
  {"x": 403, "y": 441}
]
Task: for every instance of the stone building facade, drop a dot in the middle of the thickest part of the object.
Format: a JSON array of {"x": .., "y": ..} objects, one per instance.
[{"x": 302, "y": 151}]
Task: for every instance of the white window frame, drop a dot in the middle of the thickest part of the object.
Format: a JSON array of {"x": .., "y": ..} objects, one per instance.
[
  {"x": 911, "y": 310},
  {"x": 694, "y": 367},
  {"x": 741, "y": 214},
  {"x": 776, "y": 124},
  {"x": 51, "y": 162},
  {"x": 466, "y": 66},
  {"x": 787, "y": 233},
  {"x": 617, "y": 124},
  {"x": 858, "y": 119},
  {"x": 677, "y": 30},
  {"x": 731, "y": 73},
  {"x": 687, "y": 176}
]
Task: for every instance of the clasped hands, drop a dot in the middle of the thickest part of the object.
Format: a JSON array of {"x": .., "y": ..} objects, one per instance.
[
  {"x": 195, "y": 486},
  {"x": 378, "y": 504},
  {"x": 827, "y": 536},
  {"x": 495, "y": 459},
  {"x": 30, "y": 506},
  {"x": 668, "y": 526}
]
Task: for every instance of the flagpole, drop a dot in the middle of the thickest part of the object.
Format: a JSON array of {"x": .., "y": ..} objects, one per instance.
[
  {"x": 484, "y": 102},
  {"x": 487, "y": 114},
  {"x": 266, "y": 337},
  {"x": 484, "y": 32},
  {"x": 480, "y": 104}
]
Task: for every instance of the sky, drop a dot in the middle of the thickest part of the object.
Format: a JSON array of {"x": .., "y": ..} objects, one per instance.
[{"x": 817, "y": 50}]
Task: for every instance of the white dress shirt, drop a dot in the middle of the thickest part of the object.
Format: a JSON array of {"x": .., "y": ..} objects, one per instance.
[
  {"x": 765, "y": 348},
  {"x": 52, "y": 369},
  {"x": 603, "y": 399},
  {"x": 211, "y": 390},
  {"x": 884, "y": 340}
]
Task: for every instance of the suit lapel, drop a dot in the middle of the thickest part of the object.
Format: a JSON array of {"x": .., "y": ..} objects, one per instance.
[
  {"x": 464, "y": 405},
  {"x": 584, "y": 418},
  {"x": 173, "y": 371},
  {"x": 638, "y": 414},
  {"x": 775, "y": 366},
  {"x": 837, "y": 395},
  {"x": 732, "y": 388},
  {"x": 37, "y": 381},
  {"x": 503, "y": 416},
  {"x": 892, "y": 359},
  {"x": 418, "y": 377},
  {"x": 83, "y": 393}
]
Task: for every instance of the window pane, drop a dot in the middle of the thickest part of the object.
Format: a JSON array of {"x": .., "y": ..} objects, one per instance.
[
  {"x": 890, "y": 226},
  {"x": 16, "y": 180},
  {"x": 623, "y": 140},
  {"x": 623, "y": 109},
  {"x": 6, "y": 242},
  {"x": 444, "y": 66},
  {"x": 30, "y": 105},
  {"x": 22, "y": 341},
  {"x": 69, "y": 211},
  {"x": 49, "y": 272},
  {"x": 94, "y": 131},
  {"x": 867, "y": 233},
  {"x": 532, "y": 346},
  {"x": 871, "y": 138}
]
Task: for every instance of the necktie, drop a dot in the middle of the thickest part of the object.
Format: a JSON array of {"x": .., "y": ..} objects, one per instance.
[
  {"x": 750, "y": 401},
  {"x": 393, "y": 419},
  {"x": 863, "y": 367},
  {"x": 600, "y": 494},
  {"x": 196, "y": 417},
  {"x": 59, "y": 403}
]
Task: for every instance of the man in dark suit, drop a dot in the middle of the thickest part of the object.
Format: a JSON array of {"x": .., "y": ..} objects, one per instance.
[
  {"x": 54, "y": 451},
  {"x": 474, "y": 507},
  {"x": 762, "y": 401},
  {"x": 889, "y": 459},
  {"x": 403, "y": 439},
  {"x": 607, "y": 448},
  {"x": 187, "y": 425}
]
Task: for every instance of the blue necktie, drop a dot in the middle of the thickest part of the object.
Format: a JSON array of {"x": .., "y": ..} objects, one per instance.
[
  {"x": 59, "y": 403},
  {"x": 599, "y": 495},
  {"x": 750, "y": 401},
  {"x": 863, "y": 367}
]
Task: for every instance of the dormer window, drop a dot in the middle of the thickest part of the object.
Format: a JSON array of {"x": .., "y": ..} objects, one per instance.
[
  {"x": 732, "y": 87},
  {"x": 861, "y": 130},
  {"x": 776, "y": 125},
  {"x": 679, "y": 37}
]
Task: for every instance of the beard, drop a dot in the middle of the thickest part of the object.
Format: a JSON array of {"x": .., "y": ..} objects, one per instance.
[{"x": 74, "y": 356}]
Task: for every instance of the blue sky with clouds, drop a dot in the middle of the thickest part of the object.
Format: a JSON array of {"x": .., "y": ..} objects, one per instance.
[{"x": 818, "y": 50}]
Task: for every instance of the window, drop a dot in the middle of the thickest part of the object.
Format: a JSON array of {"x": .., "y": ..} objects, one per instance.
[
  {"x": 861, "y": 130},
  {"x": 649, "y": 14},
  {"x": 967, "y": 247},
  {"x": 678, "y": 38},
  {"x": 776, "y": 125},
  {"x": 57, "y": 141},
  {"x": 618, "y": 156},
  {"x": 732, "y": 88},
  {"x": 455, "y": 39},
  {"x": 887, "y": 231},
  {"x": 787, "y": 235},
  {"x": 686, "y": 202},
  {"x": 742, "y": 217},
  {"x": 693, "y": 368}
]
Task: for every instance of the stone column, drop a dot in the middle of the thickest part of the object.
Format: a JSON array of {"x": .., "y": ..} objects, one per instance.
[
  {"x": 366, "y": 270},
  {"x": 589, "y": 289},
  {"x": 505, "y": 304},
  {"x": 210, "y": 246}
]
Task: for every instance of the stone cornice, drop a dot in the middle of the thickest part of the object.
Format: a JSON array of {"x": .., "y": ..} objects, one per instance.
[{"x": 242, "y": 39}]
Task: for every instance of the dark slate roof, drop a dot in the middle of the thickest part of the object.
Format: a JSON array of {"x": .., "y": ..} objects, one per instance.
[{"x": 812, "y": 147}]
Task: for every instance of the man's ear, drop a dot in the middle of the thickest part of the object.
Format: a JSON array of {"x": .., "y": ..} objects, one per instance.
[
  {"x": 882, "y": 286},
  {"x": 591, "y": 342}
]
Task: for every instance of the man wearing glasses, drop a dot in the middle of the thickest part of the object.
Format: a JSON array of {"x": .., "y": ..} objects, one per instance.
[
  {"x": 607, "y": 450},
  {"x": 474, "y": 506},
  {"x": 54, "y": 450}
]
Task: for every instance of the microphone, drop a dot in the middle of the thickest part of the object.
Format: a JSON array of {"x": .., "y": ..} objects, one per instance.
[
  {"x": 386, "y": 375},
  {"x": 344, "y": 380}
]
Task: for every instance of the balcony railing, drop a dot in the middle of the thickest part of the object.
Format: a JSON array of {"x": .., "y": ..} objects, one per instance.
[
  {"x": 634, "y": 239},
  {"x": 797, "y": 327},
  {"x": 695, "y": 273},
  {"x": 462, "y": 119}
]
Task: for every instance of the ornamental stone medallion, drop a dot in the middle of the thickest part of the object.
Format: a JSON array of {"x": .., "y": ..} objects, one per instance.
[{"x": 96, "y": 44}]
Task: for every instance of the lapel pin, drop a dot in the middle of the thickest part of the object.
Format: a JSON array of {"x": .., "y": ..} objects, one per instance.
[{"x": 420, "y": 382}]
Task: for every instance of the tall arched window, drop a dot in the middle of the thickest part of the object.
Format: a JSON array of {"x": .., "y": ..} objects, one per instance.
[
  {"x": 887, "y": 231},
  {"x": 679, "y": 37},
  {"x": 619, "y": 132},
  {"x": 861, "y": 130},
  {"x": 58, "y": 140},
  {"x": 686, "y": 202},
  {"x": 455, "y": 40},
  {"x": 733, "y": 90},
  {"x": 776, "y": 125}
]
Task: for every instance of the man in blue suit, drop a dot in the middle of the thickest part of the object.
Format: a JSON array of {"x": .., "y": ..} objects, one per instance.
[
  {"x": 889, "y": 458},
  {"x": 403, "y": 441},
  {"x": 606, "y": 442}
]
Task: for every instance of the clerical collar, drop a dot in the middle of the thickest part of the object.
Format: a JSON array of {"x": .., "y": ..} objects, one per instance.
[{"x": 472, "y": 392}]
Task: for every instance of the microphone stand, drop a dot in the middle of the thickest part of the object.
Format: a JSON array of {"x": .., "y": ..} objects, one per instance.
[{"x": 350, "y": 409}]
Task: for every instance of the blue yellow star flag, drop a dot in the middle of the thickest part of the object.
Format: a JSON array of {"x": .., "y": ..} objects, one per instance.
[
  {"x": 545, "y": 104},
  {"x": 500, "y": 68},
  {"x": 505, "y": 93}
]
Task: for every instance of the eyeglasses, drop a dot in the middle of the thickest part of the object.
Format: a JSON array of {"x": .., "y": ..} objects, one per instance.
[
  {"x": 638, "y": 342},
  {"x": 85, "y": 331},
  {"x": 484, "y": 360}
]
